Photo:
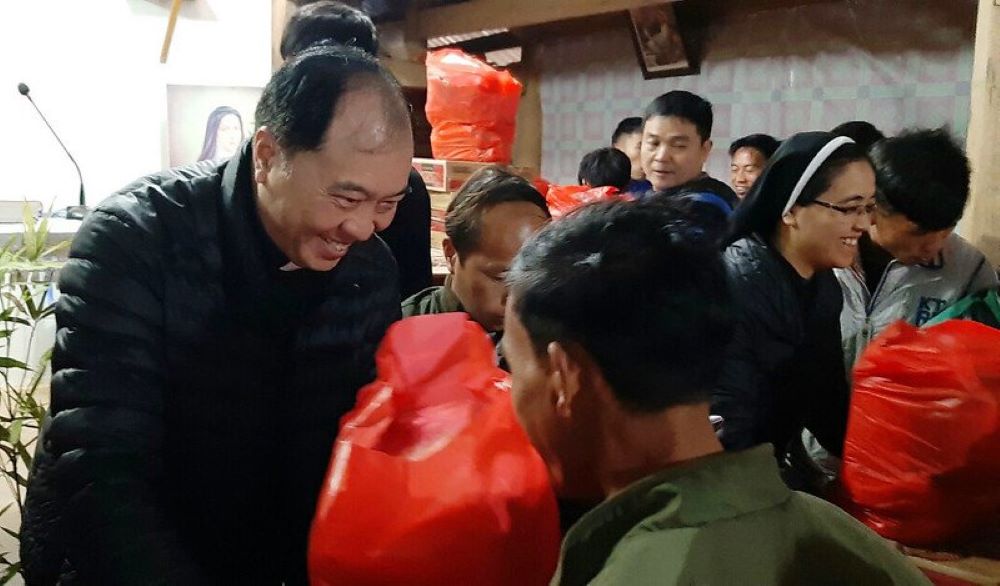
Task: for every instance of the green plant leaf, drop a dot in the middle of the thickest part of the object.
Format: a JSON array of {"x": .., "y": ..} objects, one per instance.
[
  {"x": 55, "y": 248},
  {"x": 15, "y": 301},
  {"x": 14, "y": 433},
  {"x": 12, "y": 571},
  {"x": 25, "y": 455},
  {"x": 29, "y": 230},
  {"x": 20, "y": 480},
  {"x": 6, "y": 362}
]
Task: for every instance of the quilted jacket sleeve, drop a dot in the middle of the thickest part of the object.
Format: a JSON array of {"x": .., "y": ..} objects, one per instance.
[
  {"x": 107, "y": 430},
  {"x": 738, "y": 393},
  {"x": 740, "y": 396}
]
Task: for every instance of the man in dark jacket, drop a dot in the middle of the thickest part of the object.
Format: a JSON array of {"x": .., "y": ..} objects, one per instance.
[
  {"x": 215, "y": 323},
  {"x": 676, "y": 142},
  {"x": 409, "y": 237}
]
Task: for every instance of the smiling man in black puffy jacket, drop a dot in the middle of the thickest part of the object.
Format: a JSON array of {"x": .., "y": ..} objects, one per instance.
[{"x": 216, "y": 322}]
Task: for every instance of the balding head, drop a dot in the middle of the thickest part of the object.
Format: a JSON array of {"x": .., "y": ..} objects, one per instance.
[{"x": 304, "y": 96}]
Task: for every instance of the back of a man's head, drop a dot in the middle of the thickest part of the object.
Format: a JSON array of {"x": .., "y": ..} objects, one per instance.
[
  {"x": 627, "y": 126},
  {"x": 638, "y": 289},
  {"x": 861, "y": 132},
  {"x": 686, "y": 106},
  {"x": 603, "y": 167},
  {"x": 300, "y": 100},
  {"x": 327, "y": 22},
  {"x": 924, "y": 175},
  {"x": 485, "y": 189}
]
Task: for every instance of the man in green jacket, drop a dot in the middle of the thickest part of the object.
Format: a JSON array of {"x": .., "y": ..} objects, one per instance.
[
  {"x": 616, "y": 319},
  {"x": 489, "y": 219}
]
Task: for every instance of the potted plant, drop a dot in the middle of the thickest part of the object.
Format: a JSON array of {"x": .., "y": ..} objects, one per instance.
[{"x": 27, "y": 332}]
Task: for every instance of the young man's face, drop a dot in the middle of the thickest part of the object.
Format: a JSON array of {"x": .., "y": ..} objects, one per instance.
[
  {"x": 906, "y": 241},
  {"x": 630, "y": 145},
  {"x": 478, "y": 277},
  {"x": 315, "y": 204},
  {"x": 744, "y": 168},
  {"x": 672, "y": 152}
]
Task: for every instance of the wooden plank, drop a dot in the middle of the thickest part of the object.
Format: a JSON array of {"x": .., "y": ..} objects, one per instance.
[
  {"x": 527, "y": 150},
  {"x": 175, "y": 9},
  {"x": 981, "y": 224},
  {"x": 281, "y": 11},
  {"x": 477, "y": 15},
  {"x": 409, "y": 73}
]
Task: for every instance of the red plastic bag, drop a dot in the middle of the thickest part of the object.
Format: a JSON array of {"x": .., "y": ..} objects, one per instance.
[
  {"x": 562, "y": 199},
  {"x": 541, "y": 185},
  {"x": 922, "y": 453},
  {"x": 472, "y": 108},
  {"x": 432, "y": 480}
]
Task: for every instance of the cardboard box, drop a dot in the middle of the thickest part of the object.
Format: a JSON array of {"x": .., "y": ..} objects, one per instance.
[{"x": 442, "y": 175}]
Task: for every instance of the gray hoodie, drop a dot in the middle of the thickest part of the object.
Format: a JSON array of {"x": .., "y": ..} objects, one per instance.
[{"x": 913, "y": 293}]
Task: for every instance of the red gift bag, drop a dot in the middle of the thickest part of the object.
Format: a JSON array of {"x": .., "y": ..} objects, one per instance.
[
  {"x": 922, "y": 453},
  {"x": 472, "y": 108},
  {"x": 562, "y": 199},
  {"x": 432, "y": 480}
]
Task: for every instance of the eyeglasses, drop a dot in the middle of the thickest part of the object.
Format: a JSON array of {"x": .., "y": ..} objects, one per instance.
[{"x": 859, "y": 210}]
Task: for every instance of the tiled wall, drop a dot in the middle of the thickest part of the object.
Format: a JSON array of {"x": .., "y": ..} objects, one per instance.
[{"x": 896, "y": 63}]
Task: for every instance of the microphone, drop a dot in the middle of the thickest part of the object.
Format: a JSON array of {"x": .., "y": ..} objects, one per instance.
[{"x": 73, "y": 212}]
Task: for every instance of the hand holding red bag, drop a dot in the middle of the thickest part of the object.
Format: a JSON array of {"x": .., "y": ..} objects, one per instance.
[
  {"x": 922, "y": 454},
  {"x": 432, "y": 479}
]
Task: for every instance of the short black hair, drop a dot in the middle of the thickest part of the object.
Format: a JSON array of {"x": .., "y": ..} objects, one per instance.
[
  {"x": 764, "y": 143},
  {"x": 628, "y": 283},
  {"x": 605, "y": 166},
  {"x": 299, "y": 102},
  {"x": 486, "y": 188},
  {"x": 681, "y": 104},
  {"x": 861, "y": 132},
  {"x": 627, "y": 126},
  {"x": 924, "y": 175},
  {"x": 331, "y": 23}
]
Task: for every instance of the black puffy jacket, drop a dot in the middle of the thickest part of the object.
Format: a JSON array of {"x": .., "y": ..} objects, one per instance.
[
  {"x": 197, "y": 389},
  {"x": 783, "y": 369}
]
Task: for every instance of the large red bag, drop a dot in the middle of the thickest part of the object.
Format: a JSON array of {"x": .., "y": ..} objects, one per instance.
[
  {"x": 562, "y": 199},
  {"x": 432, "y": 480},
  {"x": 472, "y": 108},
  {"x": 922, "y": 453}
]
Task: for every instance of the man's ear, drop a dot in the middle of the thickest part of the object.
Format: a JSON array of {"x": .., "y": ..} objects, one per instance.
[
  {"x": 706, "y": 149},
  {"x": 450, "y": 254},
  {"x": 566, "y": 371},
  {"x": 790, "y": 218},
  {"x": 266, "y": 154}
]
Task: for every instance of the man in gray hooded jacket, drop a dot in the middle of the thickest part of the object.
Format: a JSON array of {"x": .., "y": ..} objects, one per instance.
[{"x": 911, "y": 265}]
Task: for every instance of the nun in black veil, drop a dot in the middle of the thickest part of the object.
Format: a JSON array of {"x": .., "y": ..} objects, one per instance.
[{"x": 784, "y": 369}]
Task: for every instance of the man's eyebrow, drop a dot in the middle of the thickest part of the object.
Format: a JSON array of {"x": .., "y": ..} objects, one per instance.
[{"x": 351, "y": 186}]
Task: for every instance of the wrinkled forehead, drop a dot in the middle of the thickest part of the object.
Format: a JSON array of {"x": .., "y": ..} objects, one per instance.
[{"x": 505, "y": 227}]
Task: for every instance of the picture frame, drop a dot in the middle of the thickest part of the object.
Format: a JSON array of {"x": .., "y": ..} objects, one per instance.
[
  {"x": 207, "y": 122},
  {"x": 660, "y": 45}
]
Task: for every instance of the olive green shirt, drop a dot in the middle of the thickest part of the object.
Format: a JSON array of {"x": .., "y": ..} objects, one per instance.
[
  {"x": 725, "y": 519},
  {"x": 432, "y": 300}
]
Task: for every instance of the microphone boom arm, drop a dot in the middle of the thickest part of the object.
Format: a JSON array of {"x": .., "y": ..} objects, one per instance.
[{"x": 83, "y": 198}]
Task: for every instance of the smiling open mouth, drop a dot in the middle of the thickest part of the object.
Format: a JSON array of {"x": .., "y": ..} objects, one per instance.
[{"x": 335, "y": 246}]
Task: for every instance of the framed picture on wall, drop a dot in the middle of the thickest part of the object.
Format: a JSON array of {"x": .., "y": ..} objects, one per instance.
[
  {"x": 208, "y": 122},
  {"x": 659, "y": 42}
]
